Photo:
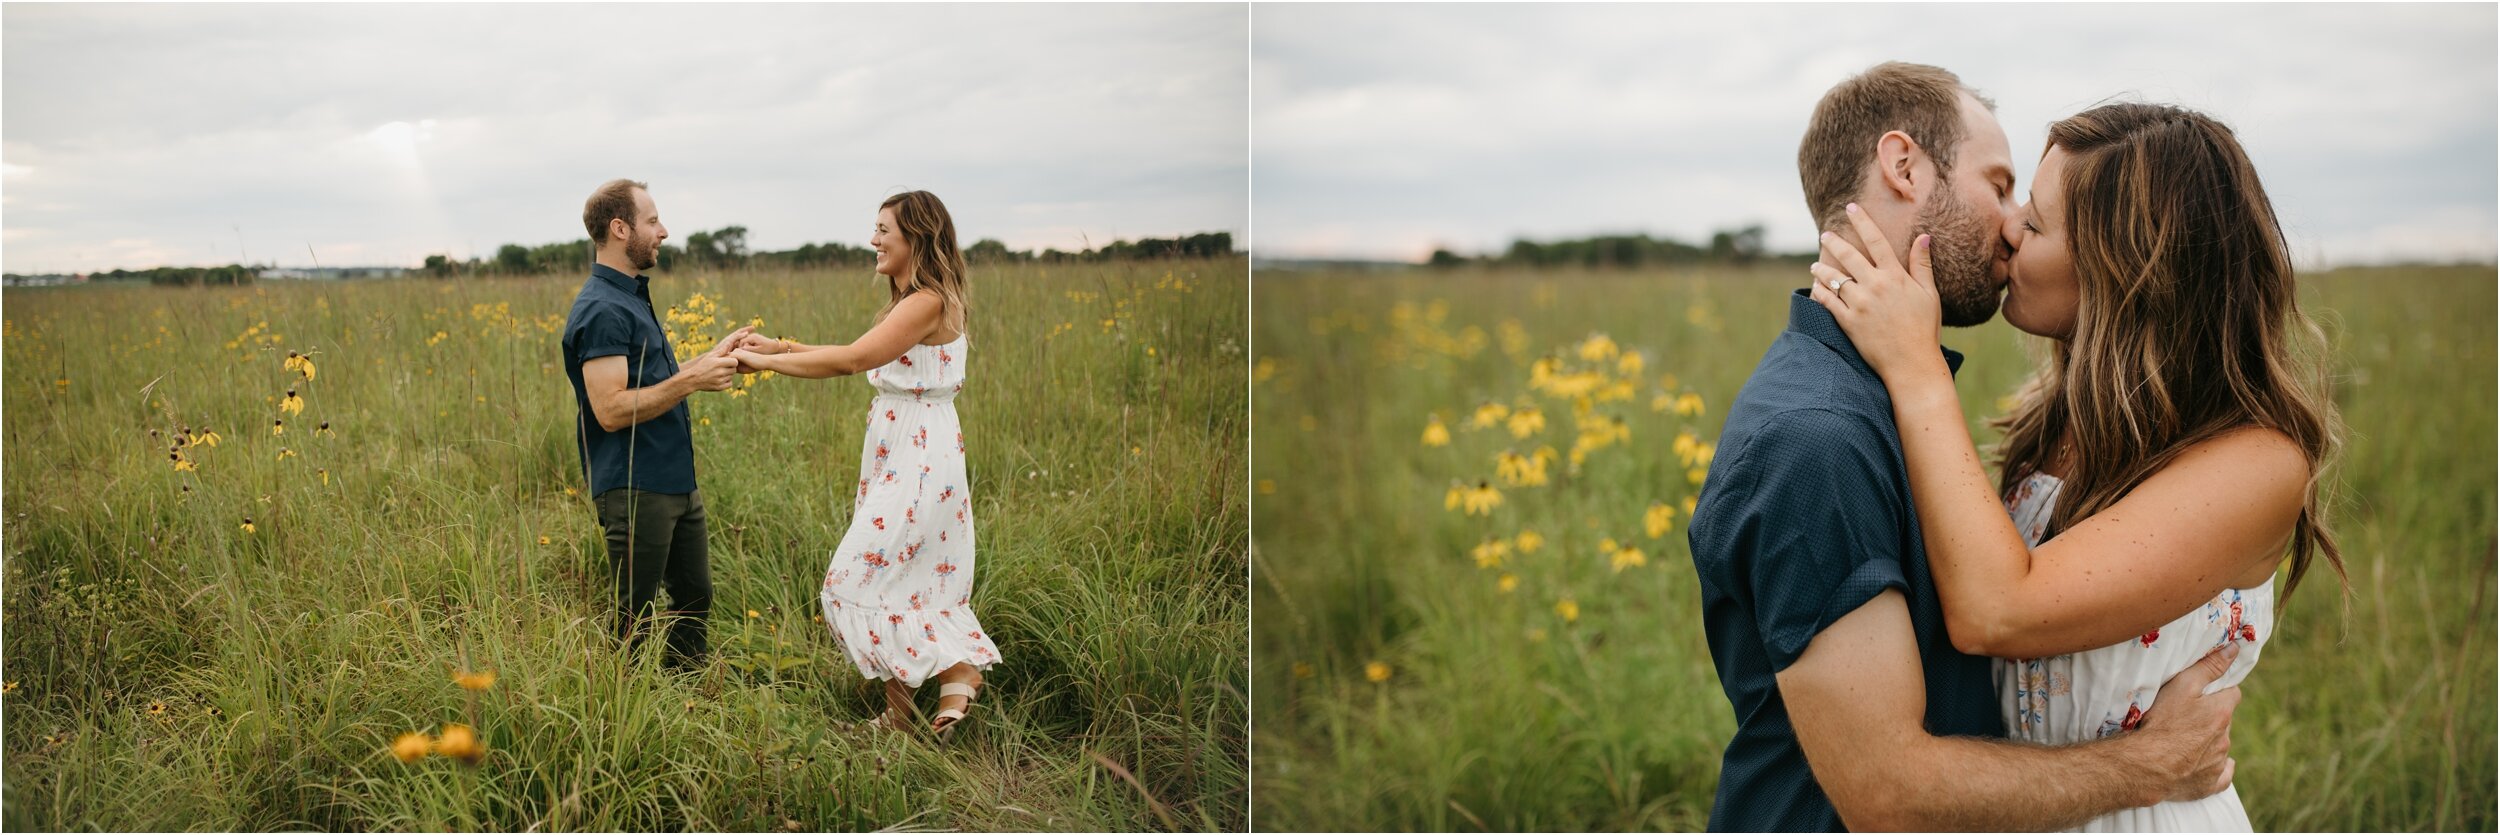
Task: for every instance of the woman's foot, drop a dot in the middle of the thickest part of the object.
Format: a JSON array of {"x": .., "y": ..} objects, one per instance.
[{"x": 956, "y": 690}]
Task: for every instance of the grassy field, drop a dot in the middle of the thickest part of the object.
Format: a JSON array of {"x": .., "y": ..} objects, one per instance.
[
  {"x": 1428, "y": 659},
  {"x": 232, "y": 635}
]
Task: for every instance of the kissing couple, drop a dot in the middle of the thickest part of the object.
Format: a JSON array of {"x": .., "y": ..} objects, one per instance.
[
  {"x": 1911, "y": 644},
  {"x": 897, "y": 594}
]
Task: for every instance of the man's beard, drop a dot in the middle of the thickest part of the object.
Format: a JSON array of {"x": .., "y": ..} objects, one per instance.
[
  {"x": 644, "y": 252},
  {"x": 1962, "y": 252}
]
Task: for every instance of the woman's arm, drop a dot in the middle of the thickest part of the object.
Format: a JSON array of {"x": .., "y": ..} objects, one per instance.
[
  {"x": 911, "y": 321},
  {"x": 2221, "y": 509},
  {"x": 2191, "y": 530}
]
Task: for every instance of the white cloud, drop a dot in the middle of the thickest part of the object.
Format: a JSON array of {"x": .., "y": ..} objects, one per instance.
[
  {"x": 1383, "y": 130},
  {"x": 391, "y": 131}
]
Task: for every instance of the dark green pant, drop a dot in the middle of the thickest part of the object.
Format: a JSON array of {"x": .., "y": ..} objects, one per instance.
[{"x": 656, "y": 538}]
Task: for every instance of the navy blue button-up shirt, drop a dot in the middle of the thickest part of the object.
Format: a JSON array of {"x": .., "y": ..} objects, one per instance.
[
  {"x": 612, "y": 316},
  {"x": 1805, "y": 517}
]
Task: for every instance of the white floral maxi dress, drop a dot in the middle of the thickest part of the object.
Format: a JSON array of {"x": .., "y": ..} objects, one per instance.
[
  {"x": 898, "y": 596},
  {"x": 2096, "y": 693}
]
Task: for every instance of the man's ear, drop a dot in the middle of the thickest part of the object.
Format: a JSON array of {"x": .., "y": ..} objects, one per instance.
[
  {"x": 619, "y": 230},
  {"x": 1897, "y": 161}
]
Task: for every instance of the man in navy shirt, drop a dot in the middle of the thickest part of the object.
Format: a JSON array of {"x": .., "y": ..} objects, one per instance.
[
  {"x": 1853, "y": 708},
  {"x": 637, "y": 444}
]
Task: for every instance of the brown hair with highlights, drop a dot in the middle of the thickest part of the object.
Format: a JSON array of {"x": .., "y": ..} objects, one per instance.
[
  {"x": 1915, "y": 99},
  {"x": 613, "y": 201},
  {"x": 2187, "y": 325},
  {"x": 937, "y": 264}
]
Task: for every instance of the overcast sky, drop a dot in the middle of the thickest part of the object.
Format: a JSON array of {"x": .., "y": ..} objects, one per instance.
[
  {"x": 144, "y": 135},
  {"x": 1383, "y": 131}
]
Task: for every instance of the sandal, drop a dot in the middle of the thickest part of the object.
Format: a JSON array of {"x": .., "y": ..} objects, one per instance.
[{"x": 947, "y": 720}]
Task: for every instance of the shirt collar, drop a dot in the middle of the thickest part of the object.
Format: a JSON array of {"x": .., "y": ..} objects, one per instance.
[
  {"x": 634, "y": 284},
  {"x": 1809, "y": 317}
]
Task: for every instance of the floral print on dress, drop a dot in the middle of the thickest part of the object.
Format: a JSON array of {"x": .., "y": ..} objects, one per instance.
[
  {"x": 2082, "y": 696},
  {"x": 888, "y": 569}
]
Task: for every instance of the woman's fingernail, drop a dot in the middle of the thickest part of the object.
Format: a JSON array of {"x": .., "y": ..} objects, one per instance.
[
  {"x": 1853, "y": 208},
  {"x": 1827, "y": 236}
]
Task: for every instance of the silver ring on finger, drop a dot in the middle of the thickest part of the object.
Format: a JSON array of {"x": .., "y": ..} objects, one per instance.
[{"x": 1834, "y": 284}]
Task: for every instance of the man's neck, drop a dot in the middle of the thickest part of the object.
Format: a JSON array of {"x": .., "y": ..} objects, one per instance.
[{"x": 616, "y": 261}]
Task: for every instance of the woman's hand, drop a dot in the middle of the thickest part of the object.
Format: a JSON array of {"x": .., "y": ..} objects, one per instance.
[
  {"x": 1892, "y": 314},
  {"x": 750, "y": 361}
]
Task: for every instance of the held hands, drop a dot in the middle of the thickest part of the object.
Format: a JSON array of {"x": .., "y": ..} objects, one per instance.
[
  {"x": 2189, "y": 730},
  {"x": 1890, "y": 312},
  {"x": 716, "y": 370}
]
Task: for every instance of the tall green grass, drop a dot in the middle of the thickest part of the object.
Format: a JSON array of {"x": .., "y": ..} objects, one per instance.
[
  {"x": 167, "y": 670},
  {"x": 1399, "y": 687}
]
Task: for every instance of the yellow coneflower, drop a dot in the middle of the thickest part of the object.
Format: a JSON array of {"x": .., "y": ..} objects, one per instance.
[
  {"x": 248, "y": 527},
  {"x": 411, "y": 747},
  {"x": 1629, "y": 365},
  {"x": 1483, "y": 499},
  {"x": 459, "y": 742},
  {"x": 544, "y": 541},
  {"x": 1688, "y": 405},
  {"x": 1526, "y": 421},
  {"x": 325, "y": 476},
  {"x": 156, "y": 708},
  {"x": 209, "y": 437},
  {"x": 293, "y": 404},
  {"x": 1597, "y": 348},
  {"x": 1507, "y": 584},
  {"x": 1529, "y": 541},
  {"x": 753, "y": 614},
  {"x": 475, "y": 680},
  {"x": 1457, "y": 497},
  {"x": 1569, "y": 610},
  {"x": 285, "y": 453},
  {"x": 1376, "y": 671},
  {"x": 1491, "y": 552},
  {"x": 278, "y": 428},
  {"x": 1697, "y": 475},
  {"x": 62, "y": 384},
  {"x": 571, "y": 492},
  {"x": 1488, "y": 416},
  {"x": 1435, "y": 434},
  {"x": 1658, "y": 520},
  {"x": 1627, "y": 557},
  {"x": 323, "y": 429},
  {"x": 1264, "y": 371},
  {"x": 10, "y": 687}
]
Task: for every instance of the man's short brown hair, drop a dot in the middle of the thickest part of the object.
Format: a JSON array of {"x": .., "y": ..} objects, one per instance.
[
  {"x": 1916, "y": 99},
  {"x": 613, "y": 201}
]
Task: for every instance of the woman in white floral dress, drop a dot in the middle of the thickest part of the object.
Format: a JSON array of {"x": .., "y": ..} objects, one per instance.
[
  {"x": 898, "y": 595},
  {"x": 2158, "y": 468}
]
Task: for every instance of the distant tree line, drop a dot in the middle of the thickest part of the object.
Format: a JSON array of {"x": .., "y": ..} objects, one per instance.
[
  {"x": 1731, "y": 246},
  {"x": 230, "y": 274},
  {"x": 726, "y": 248}
]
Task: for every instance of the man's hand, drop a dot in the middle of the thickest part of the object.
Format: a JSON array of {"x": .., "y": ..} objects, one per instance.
[
  {"x": 712, "y": 372},
  {"x": 730, "y": 342},
  {"x": 2188, "y": 731}
]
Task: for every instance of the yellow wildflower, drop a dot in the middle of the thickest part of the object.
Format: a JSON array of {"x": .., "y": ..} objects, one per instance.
[
  {"x": 1659, "y": 520},
  {"x": 208, "y": 437},
  {"x": 1688, "y": 405},
  {"x": 1597, "y": 348},
  {"x": 1627, "y": 557},
  {"x": 1629, "y": 365},
  {"x": 1483, "y": 499},
  {"x": 1697, "y": 475},
  {"x": 325, "y": 476},
  {"x": 474, "y": 680},
  {"x": 1302, "y": 669},
  {"x": 1376, "y": 671},
  {"x": 285, "y": 453},
  {"x": 753, "y": 614},
  {"x": 459, "y": 742},
  {"x": 544, "y": 541},
  {"x": 1569, "y": 610},
  {"x": 278, "y": 428},
  {"x": 1507, "y": 583},
  {"x": 1265, "y": 371},
  {"x": 411, "y": 747},
  {"x": 1530, "y": 541},
  {"x": 10, "y": 687},
  {"x": 1489, "y": 415},
  {"x": 248, "y": 527},
  {"x": 1435, "y": 434},
  {"x": 1526, "y": 422},
  {"x": 1491, "y": 552}
]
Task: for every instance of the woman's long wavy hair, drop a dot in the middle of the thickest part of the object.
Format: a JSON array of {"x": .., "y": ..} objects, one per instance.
[
  {"x": 937, "y": 263},
  {"x": 2187, "y": 326}
]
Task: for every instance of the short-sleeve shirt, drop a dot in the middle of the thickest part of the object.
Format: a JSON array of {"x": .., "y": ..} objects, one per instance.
[
  {"x": 1805, "y": 517},
  {"x": 612, "y": 316}
]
